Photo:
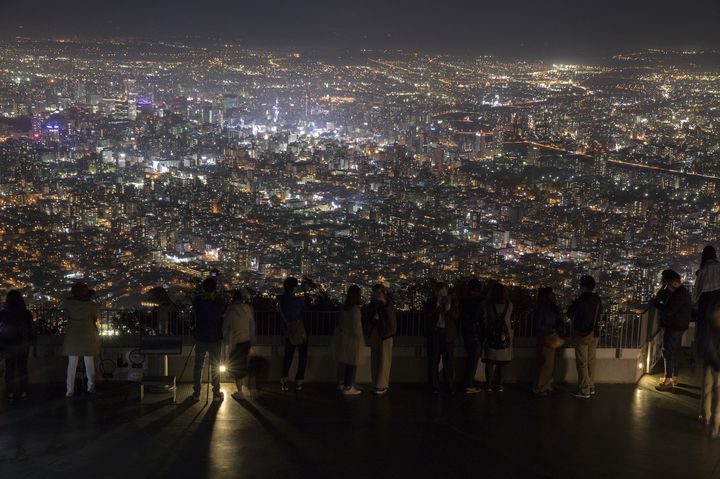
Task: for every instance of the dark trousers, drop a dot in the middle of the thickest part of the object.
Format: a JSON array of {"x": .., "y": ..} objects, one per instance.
[
  {"x": 671, "y": 350},
  {"x": 346, "y": 374},
  {"x": 494, "y": 374},
  {"x": 16, "y": 369},
  {"x": 302, "y": 359},
  {"x": 212, "y": 349},
  {"x": 440, "y": 348},
  {"x": 473, "y": 349}
]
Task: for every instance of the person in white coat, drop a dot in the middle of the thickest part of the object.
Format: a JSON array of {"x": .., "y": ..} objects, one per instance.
[
  {"x": 349, "y": 341},
  {"x": 238, "y": 338},
  {"x": 82, "y": 337}
]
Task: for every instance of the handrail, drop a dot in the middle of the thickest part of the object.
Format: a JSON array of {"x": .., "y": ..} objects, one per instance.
[{"x": 621, "y": 332}]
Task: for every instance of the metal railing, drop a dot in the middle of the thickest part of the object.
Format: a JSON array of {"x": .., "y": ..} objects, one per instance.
[{"x": 619, "y": 332}]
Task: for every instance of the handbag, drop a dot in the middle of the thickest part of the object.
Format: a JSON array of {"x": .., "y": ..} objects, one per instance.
[{"x": 553, "y": 341}]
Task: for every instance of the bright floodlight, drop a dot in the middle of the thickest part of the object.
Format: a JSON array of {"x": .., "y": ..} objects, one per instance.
[{"x": 223, "y": 368}]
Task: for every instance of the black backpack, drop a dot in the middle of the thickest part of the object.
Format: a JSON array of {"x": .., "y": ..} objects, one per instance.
[{"x": 498, "y": 335}]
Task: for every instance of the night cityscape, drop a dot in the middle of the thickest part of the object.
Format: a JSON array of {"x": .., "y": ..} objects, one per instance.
[{"x": 445, "y": 159}]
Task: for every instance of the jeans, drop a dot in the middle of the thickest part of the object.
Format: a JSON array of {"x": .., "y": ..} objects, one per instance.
[
  {"x": 346, "y": 374},
  {"x": 89, "y": 372},
  {"x": 16, "y": 361},
  {"x": 439, "y": 347},
  {"x": 494, "y": 374},
  {"x": 671, "y": 350},
  {"x": 473, "y": 349},
  {"x": 302, "y": 359},
  {"x": 212, "y": 349}
]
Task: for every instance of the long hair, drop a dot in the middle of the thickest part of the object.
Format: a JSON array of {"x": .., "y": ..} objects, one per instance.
[
  {"x": 353, "y": 298},
  {"x": 708, "y": 254},
  {"x": 15, "y": 301},
  {"x": 498, "y": 294}
]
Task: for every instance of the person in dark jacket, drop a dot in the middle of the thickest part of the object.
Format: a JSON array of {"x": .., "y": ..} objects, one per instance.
[
  {"x": 208, "y": 308},
  {"x": 292, "y": 309},
  {"x": 16, "y": 336},
  {"x": 547, "y": 319},
  {"x": 380, "y": 327},
  {"x": 675, "y": 306},
  {"x": 471, "y": 322},
  {"x": 585, "y": 313},
  {"x": 441, "y": 317}
]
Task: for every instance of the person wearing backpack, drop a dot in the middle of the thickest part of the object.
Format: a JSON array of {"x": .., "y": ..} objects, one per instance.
[
  {"x": 441, "y": 317},
  {"x": 471, "y": 321},
  {"x": 585, "y": 313},
  {"x": 499, "y": 336},
  {"x": 16, "y": 336}
]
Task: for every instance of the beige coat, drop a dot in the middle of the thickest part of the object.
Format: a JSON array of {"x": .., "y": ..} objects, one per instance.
[
  {"x": 348, "y": 339},
  {"x": 81, "y": 335}
]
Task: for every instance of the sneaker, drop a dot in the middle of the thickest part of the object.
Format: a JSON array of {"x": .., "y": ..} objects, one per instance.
[
  {"x": 351, "y": 391},
  {"x": 284, "y": 384},
  {"x": 488, "y": 388},
  {"x": 499, "y": 389},
  {"x": 299, "y": 384},
  {"x": 667, "y": 385},
  {"x": 341, "y": 386},
  {"x": 581, "y": 395},
  {"x": 237, "y": 395},
  {"x": 23, "y": 396},
  {"x": 675, "y": 381},
  {"x": 379, "y": 392},
  {"x": 91, "y": 391},
  {"x": 195, "y": 397},
  {"x": 592, "y": 391},
  {"x": 218, "y": 397},
  {"x": 472, "y": 390},
  {"x": 69, "y": 394},
  {"x": 538, "y": 392},
  {"x": 11, "y": 396}
]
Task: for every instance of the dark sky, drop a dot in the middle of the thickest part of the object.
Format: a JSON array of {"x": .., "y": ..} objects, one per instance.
[{"x": 547, "y": 28}]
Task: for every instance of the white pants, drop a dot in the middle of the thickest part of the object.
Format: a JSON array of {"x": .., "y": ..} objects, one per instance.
[{"x": 89, "y": 372}]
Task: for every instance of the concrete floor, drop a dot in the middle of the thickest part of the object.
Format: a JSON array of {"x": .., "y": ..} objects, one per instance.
[{"x": 625, "y": 432}]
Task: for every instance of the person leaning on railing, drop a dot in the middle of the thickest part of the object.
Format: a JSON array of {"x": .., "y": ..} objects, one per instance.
[
  {"x": 472, "y": 325},
  {"x": 380, "y": 327},
  {"x": 82, "y": 337},
  {"x": 348, "y": 342}
]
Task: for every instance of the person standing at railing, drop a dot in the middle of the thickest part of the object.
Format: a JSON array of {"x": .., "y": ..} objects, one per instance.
[
  {"x": 81, "y": 335},
  {"x": 706, "y": 294},
  {"x": 499, "y": 336},
  {"x": 380, "y": 327},
  {"x": 349, "y": 341},
  {"x": 441, "y": 318},
  {"x": 674, "y": 303},
  {"x": 238, "y": 338},
  {"x": 710, "y": 406},
  {"x": 16, "y": 336},
  {"x": 208, "y": 309},
  {"x": 585, "y": 313},
  {"x": 472, "y": 324},
  {"x": 547, "y": 321},
  {"x": 292, "y": 311}
]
